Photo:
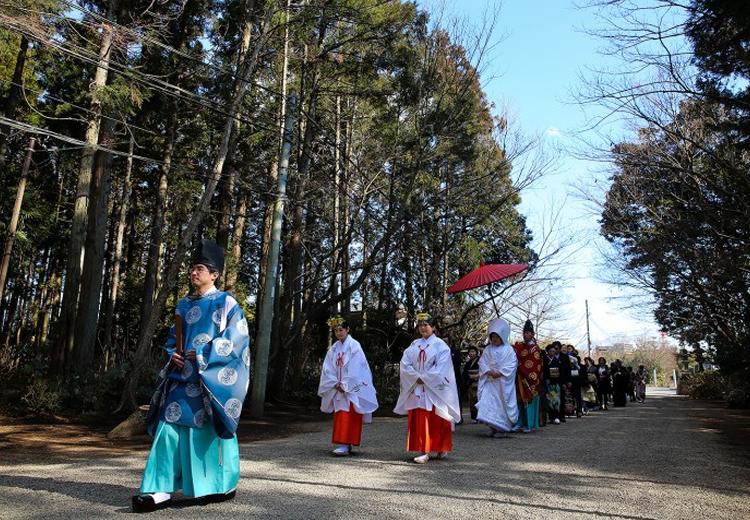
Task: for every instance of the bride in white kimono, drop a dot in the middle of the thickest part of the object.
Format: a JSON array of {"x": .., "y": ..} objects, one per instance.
[
  {"x": 346, "y": 388},
  {"x": 497, "y": 406}
]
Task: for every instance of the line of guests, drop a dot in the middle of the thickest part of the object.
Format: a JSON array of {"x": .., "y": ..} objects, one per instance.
[{"x": 565, "y": 385}]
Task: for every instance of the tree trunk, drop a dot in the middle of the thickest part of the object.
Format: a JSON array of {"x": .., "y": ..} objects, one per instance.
[
  {"x": 15, "y": 215},
  {"x": 117, "y": 253},
  {"x": 237, "y": 234},
  {"x": 266, "y": 311},
  {"x": 87, "y": 317},
  {"x": 67, "y": 324},
  {"x": 273, "y": 171},
  {"x": 158, "y": 223},
  {"x": 226, "y": 203},
  {"x": 335, "y": 257}
]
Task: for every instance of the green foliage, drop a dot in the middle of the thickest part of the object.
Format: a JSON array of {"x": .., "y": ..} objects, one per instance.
[
  {"x": 40, "y": 399},
  {"x": 677, "y": 211},
  {"x": 704, "y": 385},
  {"x": 424, "y": 187}
]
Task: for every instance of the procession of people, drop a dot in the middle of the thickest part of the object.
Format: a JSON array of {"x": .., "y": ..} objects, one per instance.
[{"x": 195, "y": 410}]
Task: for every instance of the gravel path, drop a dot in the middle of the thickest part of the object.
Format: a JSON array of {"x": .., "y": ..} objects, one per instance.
[{"x": 651, "y": 461}]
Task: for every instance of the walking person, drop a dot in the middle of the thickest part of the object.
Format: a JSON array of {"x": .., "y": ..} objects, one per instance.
[
  {"x": 195, "y": 410},
  {"x": 497, "y": 406},
  {"x": 428, "y": 393},
  {"x": 620, "y": 381},
  {"x": 470, "y": 379},
  {"x": 528, "y": 379},
  {"x": 631, "y": 384},
  {"x": 556, "y": 378},
  {"x": 589, "y": 386},
  {"x": 603, "y": 384},
  {"x": 577, "y": 379},
  {"x": 640, "y": 383},
  {"x": 456, "y": 360},
  {"x": 346, "y": 388}
]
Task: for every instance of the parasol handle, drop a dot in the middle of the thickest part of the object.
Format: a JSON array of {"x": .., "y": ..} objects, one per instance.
[{"x": 494, "y": 303}]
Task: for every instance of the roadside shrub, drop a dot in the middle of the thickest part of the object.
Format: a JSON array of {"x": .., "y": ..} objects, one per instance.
[
  {"x": 40, "y": 399},
  {"x": 704, "y": 385},
  {"x": 738, "y": 395}
]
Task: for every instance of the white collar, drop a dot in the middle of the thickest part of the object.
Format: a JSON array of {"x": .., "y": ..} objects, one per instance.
[{"x": 342, "y": 343}]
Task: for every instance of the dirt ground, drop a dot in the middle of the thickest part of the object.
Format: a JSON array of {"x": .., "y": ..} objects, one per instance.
[
  {"x": 59, "y": 437},
  {"x": 62, "y": 437},
  {"x": 668, "y": 459}
]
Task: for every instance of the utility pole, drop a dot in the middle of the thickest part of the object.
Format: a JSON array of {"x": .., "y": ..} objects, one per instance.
[
  {"x": 588, "y": 333},
  {"x": 265, "y": 316},
  {"x": 15, "y": 216}
]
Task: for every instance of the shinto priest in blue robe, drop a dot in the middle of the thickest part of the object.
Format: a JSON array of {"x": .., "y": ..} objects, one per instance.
[{"x": 194, "y": 412}]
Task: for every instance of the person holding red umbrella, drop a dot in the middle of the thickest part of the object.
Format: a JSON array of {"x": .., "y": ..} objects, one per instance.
[{"x": 528, "y": 379}]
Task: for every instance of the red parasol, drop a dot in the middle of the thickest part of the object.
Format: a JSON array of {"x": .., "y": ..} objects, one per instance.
[{"x": 486, "y": 274}]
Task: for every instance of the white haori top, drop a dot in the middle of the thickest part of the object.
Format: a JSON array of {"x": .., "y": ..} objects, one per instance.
[
  {"x": 429, "y": 360},
  {"x": 345, "y": 363},
  {"x": 497, "y": 405}
]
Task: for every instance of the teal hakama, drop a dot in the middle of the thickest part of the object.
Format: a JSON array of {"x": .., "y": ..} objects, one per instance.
[
  {"x": 528, "y": 417},
  {"x": 194, "y": 460}
]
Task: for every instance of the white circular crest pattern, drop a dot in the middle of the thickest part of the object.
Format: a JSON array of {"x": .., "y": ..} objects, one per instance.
[
  {"x": 201, "y": 339},
  {"x": 187, "y": 369},
  {"x": 246, "y": 357},
  {"x": 173, "y": 412},
  {"x": 242, "y": 326},
  {"x": 193, "y": 315},
  {"x": 227, "y": 376},
  {"x": 199, "y": 419},
  {"x": 223, "y": 347},
  {"x": 216, "y": 317},
  {"x": 192, "y": 390},
  {"x": 233, "y": 408}
]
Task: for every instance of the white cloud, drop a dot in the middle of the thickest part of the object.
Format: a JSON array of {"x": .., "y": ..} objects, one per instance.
[{"x": 553, "y": 131}]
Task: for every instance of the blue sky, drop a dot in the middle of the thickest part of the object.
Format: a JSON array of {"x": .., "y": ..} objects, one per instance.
[{"x": 532, "y": 73}]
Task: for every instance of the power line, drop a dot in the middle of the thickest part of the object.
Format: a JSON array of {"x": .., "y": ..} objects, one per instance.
[
  {"x": 158, "y": 85},
  {"x": 25, "y": 127},
  {"x": 78, "y": 107}
]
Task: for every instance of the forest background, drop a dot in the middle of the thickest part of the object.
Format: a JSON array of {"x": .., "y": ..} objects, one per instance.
[{"x": 131, "y": 129}]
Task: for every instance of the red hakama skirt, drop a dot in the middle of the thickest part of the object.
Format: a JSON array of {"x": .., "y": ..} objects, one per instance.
[
  {"x": 347, "y": 427},
  {"x": 427, "y": 431}
]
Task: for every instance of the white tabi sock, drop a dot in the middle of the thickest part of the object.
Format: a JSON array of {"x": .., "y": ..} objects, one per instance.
[{"x": 160, "y": 497}]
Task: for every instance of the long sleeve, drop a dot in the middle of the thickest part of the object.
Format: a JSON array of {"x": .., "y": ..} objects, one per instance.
[
  {"x": 224, "y": 365},
  {"x": 328, "y": 376}
]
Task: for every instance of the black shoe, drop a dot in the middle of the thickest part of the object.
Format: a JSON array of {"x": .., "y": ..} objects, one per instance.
[
  {"x": 146, "y": 504},
  {"x": 219, "y": 497}
]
